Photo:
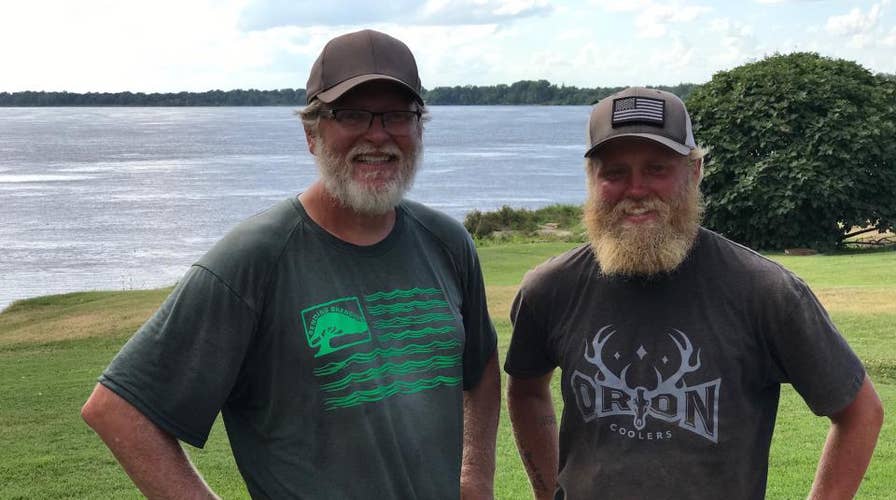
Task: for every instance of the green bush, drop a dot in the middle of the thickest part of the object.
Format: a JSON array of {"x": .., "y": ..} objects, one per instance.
[
  {"x": 801, "y": 151},
  {"x": 524, "y": 222}
]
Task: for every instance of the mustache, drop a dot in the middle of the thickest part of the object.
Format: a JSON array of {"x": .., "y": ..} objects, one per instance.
[
  {"x": 616, "y": 213},
  {"x": 366, "y": 149}
]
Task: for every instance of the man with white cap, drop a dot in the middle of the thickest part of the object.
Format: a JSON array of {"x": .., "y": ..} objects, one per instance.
[
  {"x": 343, "y": 334},
  {"x": 672, "y": 340}
]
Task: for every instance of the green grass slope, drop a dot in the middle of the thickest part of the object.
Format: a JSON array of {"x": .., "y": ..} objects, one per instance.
[{"x": 53, "y": 348}]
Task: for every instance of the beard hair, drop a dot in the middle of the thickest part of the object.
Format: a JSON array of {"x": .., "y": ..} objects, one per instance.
[
  {"x": 643, "y": 249},
  {"x": 337, "y": 174}
]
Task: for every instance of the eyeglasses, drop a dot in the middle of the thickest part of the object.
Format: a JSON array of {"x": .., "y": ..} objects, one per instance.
[{"x": 358, "y": 121}]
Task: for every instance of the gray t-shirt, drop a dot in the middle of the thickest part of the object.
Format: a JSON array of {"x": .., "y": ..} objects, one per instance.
[
  {"x": 670, "y": 384},
  {"x": 338, "y": 369}
]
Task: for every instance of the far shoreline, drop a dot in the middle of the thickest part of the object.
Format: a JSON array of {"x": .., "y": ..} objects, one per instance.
[{"x": 523, "y": 92}]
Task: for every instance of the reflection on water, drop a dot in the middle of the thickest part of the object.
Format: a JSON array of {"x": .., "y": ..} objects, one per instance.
[{"x": 123, "y": 198}]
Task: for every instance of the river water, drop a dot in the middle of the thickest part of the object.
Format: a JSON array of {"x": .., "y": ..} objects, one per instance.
[{"x": 126, "y": 198}]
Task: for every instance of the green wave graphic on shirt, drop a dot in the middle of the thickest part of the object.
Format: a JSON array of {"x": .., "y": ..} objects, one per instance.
[
  {"x": 398, "y": 387},
  {"x": 366, "y": 357},
  {"x": 406, "y": 368},
  {"x": 402, "y": 294},
  {"x": 416, "y": 334},
  {"x": 402, "y": 307},
  {"x": 404, "y": 321}
]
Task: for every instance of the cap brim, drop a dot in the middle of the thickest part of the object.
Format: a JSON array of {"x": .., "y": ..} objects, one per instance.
[
  {"x": 681, "y": 149},
  {"x": 336, "y": 91}
]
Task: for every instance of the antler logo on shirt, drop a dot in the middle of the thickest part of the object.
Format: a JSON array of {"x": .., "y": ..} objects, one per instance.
[{"x": 694, "y": 408}]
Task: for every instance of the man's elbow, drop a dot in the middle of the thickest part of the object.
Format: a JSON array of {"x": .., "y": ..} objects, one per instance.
[
  {"x": 99, "y": 408},
  {"x": 92, "y": 413},
  {"x": 866, "y": 410},
  {"x": 874, "y": 408}
]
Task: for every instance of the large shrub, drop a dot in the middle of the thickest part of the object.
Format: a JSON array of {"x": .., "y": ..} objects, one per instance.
[{"x": 802, "y": 151}]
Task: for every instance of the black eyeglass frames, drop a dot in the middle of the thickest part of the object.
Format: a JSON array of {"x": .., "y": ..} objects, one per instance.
[{"x": 359, "y": 120}]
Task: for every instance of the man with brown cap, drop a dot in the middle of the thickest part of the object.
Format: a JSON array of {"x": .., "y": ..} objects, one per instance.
[
  {"x": 672, "y": 340},
  {"x": 343, "y": 334}
]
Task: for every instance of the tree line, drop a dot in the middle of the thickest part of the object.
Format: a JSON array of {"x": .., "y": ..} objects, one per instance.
[
  {"x": 522, "y": 92},
  {"x": 533, "y": 92}
]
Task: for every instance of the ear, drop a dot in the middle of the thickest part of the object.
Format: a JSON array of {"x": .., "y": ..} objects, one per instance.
[
  {"x": 697, "y": 174},
  {"x": 312, "y": 141}
]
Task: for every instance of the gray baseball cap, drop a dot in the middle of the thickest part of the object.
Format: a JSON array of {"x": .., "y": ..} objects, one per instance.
[
  {"x": 641, "y": 112},
  {"x": 354, "y": 58}
]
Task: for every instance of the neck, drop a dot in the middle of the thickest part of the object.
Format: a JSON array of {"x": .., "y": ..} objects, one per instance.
[{"x": 344, "y": 222}]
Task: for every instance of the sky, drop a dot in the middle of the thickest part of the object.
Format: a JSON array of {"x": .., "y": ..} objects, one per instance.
[{"x": 198, "y": 45}]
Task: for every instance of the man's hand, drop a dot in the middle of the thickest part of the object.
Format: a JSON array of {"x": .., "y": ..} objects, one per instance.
[{"x": 152, "y": 458}]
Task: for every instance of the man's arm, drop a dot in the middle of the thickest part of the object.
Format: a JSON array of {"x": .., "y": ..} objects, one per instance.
[
  {"x": 849, "y": 445},
  {"x": 535, "y": 429},
  {"x": 482, "y": 404},
  {"x": 152, "y": 458}
]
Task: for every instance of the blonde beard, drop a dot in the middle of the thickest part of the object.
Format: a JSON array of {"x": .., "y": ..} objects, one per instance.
[
  {"x": 643, "y": 249},
  {"x": 337, "y": 172}
]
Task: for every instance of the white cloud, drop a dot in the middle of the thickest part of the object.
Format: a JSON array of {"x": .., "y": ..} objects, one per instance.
[
  {"x": 856, "y": 22},
  {"x": 517, "y": 7},
  {"x": 653, "y": 18},
  {"x": 460, "y": 12},
  {"x": 862, "y": 29},
  {"x": 266, "y": 14},
  {"x": 733, "y": 42},
  {"x": 890, "y": 39},
  {"x": 621, "y": 5},
  {"x": 603, "y": 64},
  {"x": 173, "y": 45},
  {"x": 456, "y": 55},
  {"x": 654, "y": 21},
  {"x": 673, "y": 58},
  {"x": 115, "y": 46},
  {"x": 768, "y": 2}
]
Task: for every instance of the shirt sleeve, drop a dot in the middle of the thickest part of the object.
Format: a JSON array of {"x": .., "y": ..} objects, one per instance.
[
  {"x": 178, "y": 369},
  {"x": 528, "y": 355},
  {"x": 808, "y": 351},
  {"x": 481, "y": 340}
]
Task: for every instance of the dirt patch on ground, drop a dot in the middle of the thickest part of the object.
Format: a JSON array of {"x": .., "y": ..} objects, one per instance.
[
  {"x": 114, "y": 314},
  {"x": 124, "y": 314},
  {"x": 846, "y": 299},
  {"x": 78, "y": 326},
  {"x": 858, "y": 300},
  {"x": 499, "y": 300},
  {"x": 842, "y": 299}
]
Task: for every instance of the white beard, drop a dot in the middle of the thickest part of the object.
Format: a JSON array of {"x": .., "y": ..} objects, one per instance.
[{"x": 337, "y": 174}]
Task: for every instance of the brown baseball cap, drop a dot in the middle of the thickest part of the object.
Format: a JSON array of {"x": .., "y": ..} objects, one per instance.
[
  {"x": 641, "y": 112},
  {"x": 354, "y": 58}
]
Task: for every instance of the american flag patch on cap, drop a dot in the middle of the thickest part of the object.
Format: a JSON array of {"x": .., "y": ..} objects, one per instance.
[{"x": 638, "y": 110}]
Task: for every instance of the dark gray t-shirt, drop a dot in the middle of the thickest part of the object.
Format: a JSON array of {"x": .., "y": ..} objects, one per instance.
[
  {"x": 670, "y": 384},
  {"x": 338, "y": 369}
]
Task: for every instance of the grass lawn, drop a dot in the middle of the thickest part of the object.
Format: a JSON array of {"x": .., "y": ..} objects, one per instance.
[{"x": 53, "y": 348}]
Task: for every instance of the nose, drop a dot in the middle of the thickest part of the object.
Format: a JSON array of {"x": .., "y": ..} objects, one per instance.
[
  {"x": 638, "y": 187},
  {"x": 376, "y": 133}
]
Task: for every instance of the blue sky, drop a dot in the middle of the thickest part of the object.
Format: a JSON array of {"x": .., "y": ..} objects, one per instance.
[{"x": 196, "y": 45}]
